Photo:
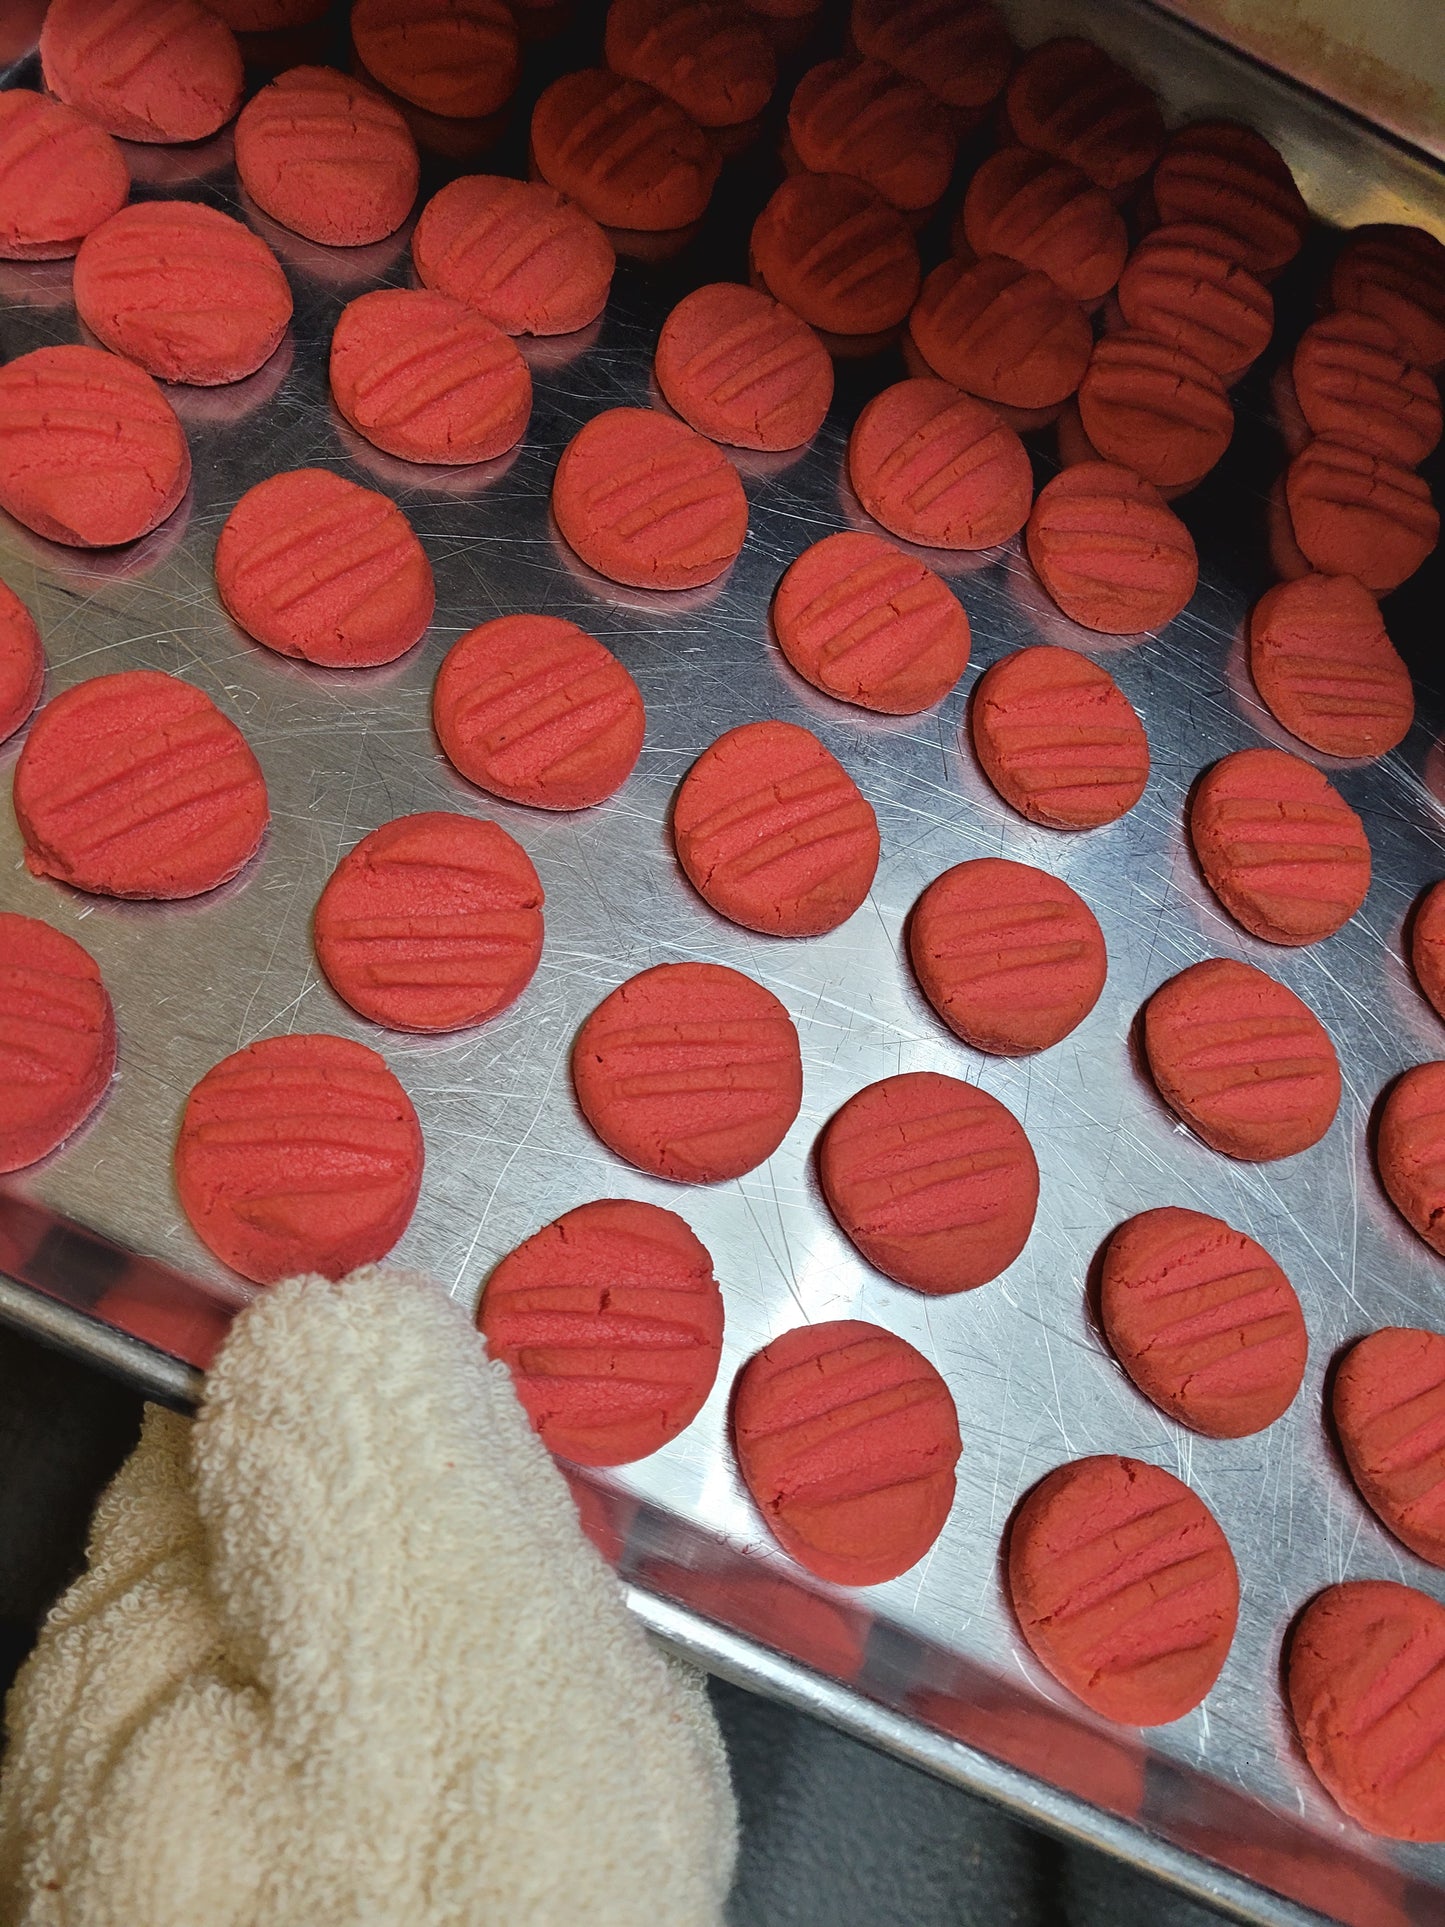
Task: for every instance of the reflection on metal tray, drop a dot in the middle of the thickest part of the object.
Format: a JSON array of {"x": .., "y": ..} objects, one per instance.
[{"x": 928, "y": 1665}]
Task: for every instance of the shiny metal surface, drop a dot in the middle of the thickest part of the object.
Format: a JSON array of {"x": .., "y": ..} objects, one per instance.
[{"x": 929, "y": 1665}]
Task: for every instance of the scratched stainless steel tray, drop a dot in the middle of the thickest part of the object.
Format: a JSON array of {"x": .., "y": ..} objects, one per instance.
[{"x": 929, "y": 1665}]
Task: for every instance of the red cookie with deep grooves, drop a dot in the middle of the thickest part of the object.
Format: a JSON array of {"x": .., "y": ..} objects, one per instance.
[
  {"x": 774, "y": 833},
  {"x": 1354, "y": 379},
  {"x": 864, "y": 622},
  {"x": 1045, "y": 214},
  {"x": 433, "y": 922},
  {"x": 1010, "y": 957},
  {"x": 184, "y": 290},
  {"x": 647, "y": 501},
  {"x": 1359, "y": 514},
  {"x": 1279, "y": 846},
  {"x": 460, "y": 58},
  {"x": 1154, "y": 408},
  {"x": 148, "y": 70},
  {"x": 1411, "y": 1150},
  {"x": 1229, "y": 178},
  {"x": 518, "y": 252},
  {"x": 1069, "y": 99},
  {"x": 691, "y": 1071},
  {"x": 712, "y": 59},
  {"x": 1427, "y": 946},
  {"x": 1058, "y": 739},
  {"x": 57, "y": 1039},
  {"x": 1321, "y": 658},
  {"x": 1004, "y": 332},
  {"x": 1110, "y": 551},
  {"x": 1244, "y": 1062},
  {"x": 136, "y": 785},
  {"x": 534, "y": 709},
  {"x": 1181, "y": 287},
  {"x": 315, "y": 566},
  {"x": 327, "y": 157},
  {"x": 60, "y": 176},
  {"x": 22, "y": 662},
  {"x": 862, "y": 117},
  {"x": 938, "y": 467},
  {"x": 299, "y": 1154},
  {"x": 1124, "y": 1587},
  {"x": 1204, "y": 1321},
  {"x": 741, "y": 367},
  {"x": 91, "y": 453},
  {"x": 1397, "y": 274},
  {"x": 847, "y": 1439},
  {"x": 1365, "y": 1662},
  {"x": 1389, "y": 1409},
  {"x": 837, "y": 253},
  {"x": 611, "y": 1323},
  {"x": 624, "y": 152},
  {"x": 959, "y": 49}
]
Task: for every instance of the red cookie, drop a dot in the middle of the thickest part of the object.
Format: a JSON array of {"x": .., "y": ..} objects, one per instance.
[
  {"x": 837, "y": 254},
  {"x": 315, "y": 566},
  {"x": 57, "y": 1039},
  {"x": 1058, "y": 738},
  {"x": 610, "y": 1322},
  {"x": 741, "y": 367},
  {"x": 1359, "y": 514},
  {"x": 1321, "y": 659},
  {"x": 647, "y": 501},
  {"x": 847, "y": 1438},
  {"x": 1152, "y": 407},
  {"x": 1045, "y": 214},
  {"x": 774, "y": 833},
  {"x": 327, "y": 157},
  {"x": 1204, "y": 1321},
  {"x": 433, "y": 922},
  {"x": 1411, "y": 1151},
  {"x": 60, "y": 176},
  {"x": 959, "y": 49},
  {"x": 1010, "y": 957},
  {"x": 534, "y": 709},
  {"x": 866, "y": 623},
  {"x": 299, "y": 1154},
  {"x": 940, "y": 468},
  {"x": 1070, "y": 99},
  {"x": 715, "y": 62},
  {"x": 626, "y": 153},
  {"x": 1001, "y": 331},
  {"x": 148, "y": 70},
  {"x": 862, "y": 117},
  {"x": 1427, "y": 946},
  {"x": 459, "y": 58},
  {"x": 91, "y": 453},
  {"x": 1110, "y": 551},
  {"x": 691, "y": 1071},
  {"x": 1229, "y": 178},
  {"x": 136, "y": 785},
  {"x": 1354, "y": 379},
  {"x": 1389, "y": 1407},
  {"x": 22, "y": 661},
  {"x": 1124, "y": 1587},
  {"x": 1397, "y": 274},
  {"x": 1249, "y": 1068},
  {"x": 1365, "y": 1665},
  {"x": 1180, "y": 286},
  {"x": 517, "y": 252}
]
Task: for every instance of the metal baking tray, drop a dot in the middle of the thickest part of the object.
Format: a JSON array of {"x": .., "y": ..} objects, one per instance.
[{"x": 93, "y": 1246}]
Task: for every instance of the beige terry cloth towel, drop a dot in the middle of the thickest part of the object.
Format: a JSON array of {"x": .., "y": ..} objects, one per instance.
[{"x": 342, "y": 1657}]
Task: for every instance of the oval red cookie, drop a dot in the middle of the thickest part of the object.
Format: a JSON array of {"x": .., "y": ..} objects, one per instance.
[
  {"x": 1004, "y": 332},
  {"x": 864, "y": 622},
  {"x": 184, "y": 290},
  {"x": 624, "y": 152},
  {"x": 327, "y": 157},
  {"x": 22, "y": 662},
  {"x": 847, "y": 1439},
  {"x": 60, "y": 176},
  {"x": 1229, "y": 178},
  {"x": 518, "y": 252},
  {"x": 315, "y": 566},
  {"x": 1010, "y": 957},
  {"x": 691, "y": 1071},
  {"x": 611, "y": 1323},
  {"x": 742, "y": 368},
  {"x": 1389, "y": 1409},
  {"x": 1070, "y": 99},
  {"x": 1354, "y": 379},
  {"x": 433, "y": 922},
  {"x": 837, "y": 254},
  {"x": 1365, "y": 1662},
  {"x": 1058, "y": 739},
  {"x": 959, "y": 49},
  {"x": 1048, "y": 215},
  {"x": 1427, "y": 946},
  {"x": 1411, "y": 1150},
  {"x": 299, "y": 1154},
  {"x": 1110, "y": 551},
  {"x": 1244, "y": 1062},
  {"x": 57, "y": 1039},
  {"x": 1322, "y": 660},
  {"x": 1397, "y": 274},
  {"x": 1124, "y": 1587},
  {"x": 148, "y": 70},
  {"x": 459, "y": 58},
  {"x": 712, "y": 59},
  {"x": 1204, "y": 1321},
  {"x": 647, "y": 501},
  {"x": 940, "y": 468},
  {"x": 862, "y": 117},
  {"x": 1152, "y": 407},
  {"x": 534, "y": 709},
  {"x": 1179, "y": 286},
  {"x": 1359, "y": 514}
]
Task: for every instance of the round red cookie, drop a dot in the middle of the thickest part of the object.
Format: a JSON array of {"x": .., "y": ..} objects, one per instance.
[
  {"x": 862, "y": 117},
  {"x": 1227, "y": 177},
  {"x": 148, "y": 70},
  {"x": 864, "y": 622},
  {"x": 1010, "y": 957},
  {"x": 611, "y": 1322},
  {"x": 624, "y": 152},
  {"x": 1180, "y": 286},
  {"x": 1389, "y": 1409},
  {"x": 135, "y": 785},
  {"x": 1004, "y": 332},
  {"x": 712, "y": 59},
  {"x": 1411, "y": 1150},
  {"x": 57, "y": 1039},
  {"x": 60, "y": 176},
  {"x": 534, "y": 709},
  {"x": 1048, "y": 215},
  {"x": 1322, "y": 660},
  {"x": 774, "y": 833},
  {"x": 1204, "y": 1321},
  {"x": 1152, "y": 407},
  {"x": 327, "y": 157},
  {"x": 184, "y": 290},
  {"x": 691, "y": 1071},
  {"x": 959, "y": 49},
  {"x": 847, "y": 1439},
  {"x": 1070, "y": 99},
  {"x": 1354, "y": 379},
  {"x": 837, "y": 254},
  {"x": 1359, "y": 514},
  {"x": 518, "y": 252},
  {"x": 315, "y": 566},
  {"x": 1058, "y": 739},
  {"x": 742, "y": 368},
  {"x": 1110, "y": 551},
  {"x": 1364, "y": 1666},
  {"x": 1397, "y": 274},
  {"x": 1242, "y": 1060},
  {"x": 940, "y": 468},
  {"x": 1124, "y": 1587},
  {"x": 1427, "y": 946},
  {"x": 647, "y": 501},
  {"x": 22, "y": 662},
  {"x": 433, "y": 922},
  {"x": 299, "y": 1154},
  {"x": 459, "y": 58}
]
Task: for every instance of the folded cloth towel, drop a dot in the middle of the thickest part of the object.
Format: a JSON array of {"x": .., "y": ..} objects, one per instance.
[{"x": 342, "y": 1657}]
